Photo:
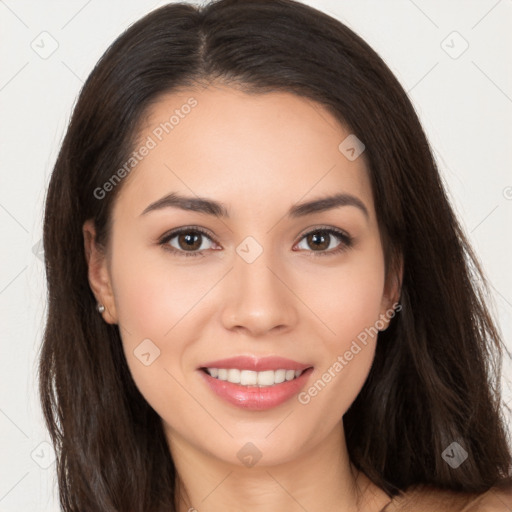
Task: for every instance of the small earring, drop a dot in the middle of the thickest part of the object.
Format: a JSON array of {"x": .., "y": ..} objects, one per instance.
[{"x": 100, "y": 308}]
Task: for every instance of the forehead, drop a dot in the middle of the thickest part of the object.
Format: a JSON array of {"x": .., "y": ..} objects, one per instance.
[{"x": 242, "y": 149}]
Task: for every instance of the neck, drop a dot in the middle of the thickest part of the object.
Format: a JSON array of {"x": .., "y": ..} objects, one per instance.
[{"x": 321, "y": 479}]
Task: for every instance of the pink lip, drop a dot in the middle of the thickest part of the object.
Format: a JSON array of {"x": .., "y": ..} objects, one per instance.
[
  {"x": 256, "y": 364},
  {"x": 253, "y": 397}
]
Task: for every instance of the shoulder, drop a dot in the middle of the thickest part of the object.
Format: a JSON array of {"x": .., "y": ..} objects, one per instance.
[
  {"x": 496, "y": 499},
  {"x": 429, "y": 499}
]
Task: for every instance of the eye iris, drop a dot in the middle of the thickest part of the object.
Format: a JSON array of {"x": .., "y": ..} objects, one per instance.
[
  {"x": 190, "y": 241},
  {"x": 314, "y": 237}
]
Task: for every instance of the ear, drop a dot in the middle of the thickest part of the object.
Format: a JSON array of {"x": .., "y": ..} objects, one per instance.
[
  {"x": 391, "y": 296},
  {"x": 98, "y": 272}
]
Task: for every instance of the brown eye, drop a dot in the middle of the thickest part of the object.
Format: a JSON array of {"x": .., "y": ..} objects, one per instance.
[
  {"x": 187, "y": 242},
  {"x": 323, "y": 241},
  {"x": 319, "y": 240}
]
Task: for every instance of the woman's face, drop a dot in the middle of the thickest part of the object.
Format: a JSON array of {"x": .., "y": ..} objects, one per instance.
[{"x": 263, "y": 279}]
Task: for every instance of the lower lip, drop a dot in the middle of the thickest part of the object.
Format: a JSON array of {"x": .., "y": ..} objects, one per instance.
[{"x": 254, "y": 397}]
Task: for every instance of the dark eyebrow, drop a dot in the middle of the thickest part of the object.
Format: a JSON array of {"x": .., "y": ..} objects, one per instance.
[
  {"x": 195, "y": 204},
  {"x": 327, "y": 203},
  {"x": 210, "y": 207}
]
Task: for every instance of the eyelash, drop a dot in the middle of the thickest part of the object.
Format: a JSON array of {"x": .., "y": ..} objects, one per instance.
[{"x": 345, "y": 239}]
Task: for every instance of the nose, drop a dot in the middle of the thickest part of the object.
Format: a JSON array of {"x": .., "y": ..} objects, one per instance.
[{"x": 259, "y": 298}]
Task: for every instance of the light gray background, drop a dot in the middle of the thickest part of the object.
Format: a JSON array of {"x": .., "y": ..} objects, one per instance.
[{"x": 464, "y": 101}]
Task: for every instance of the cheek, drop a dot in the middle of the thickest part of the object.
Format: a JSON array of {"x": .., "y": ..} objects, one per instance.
[
  {"x": 348, "y": 299},
  {"x": 149, "y": 303},
  {"x": 344, "y": 367},
  {"x": 349, "y": 305},
  {"x": 152, "y": 295}
]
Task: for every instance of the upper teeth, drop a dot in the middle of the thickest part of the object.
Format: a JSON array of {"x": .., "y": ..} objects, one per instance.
[{"x": 251, "y": 378}]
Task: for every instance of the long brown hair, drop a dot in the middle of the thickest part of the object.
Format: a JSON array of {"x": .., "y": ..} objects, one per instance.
[{"x": 436, "y": 374}]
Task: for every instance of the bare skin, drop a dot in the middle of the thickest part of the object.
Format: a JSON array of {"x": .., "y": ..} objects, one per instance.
[{"x": 259, "y": 155}]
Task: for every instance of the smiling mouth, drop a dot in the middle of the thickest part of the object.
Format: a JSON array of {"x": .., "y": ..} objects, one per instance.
[{"x": 252, "y": 378}]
